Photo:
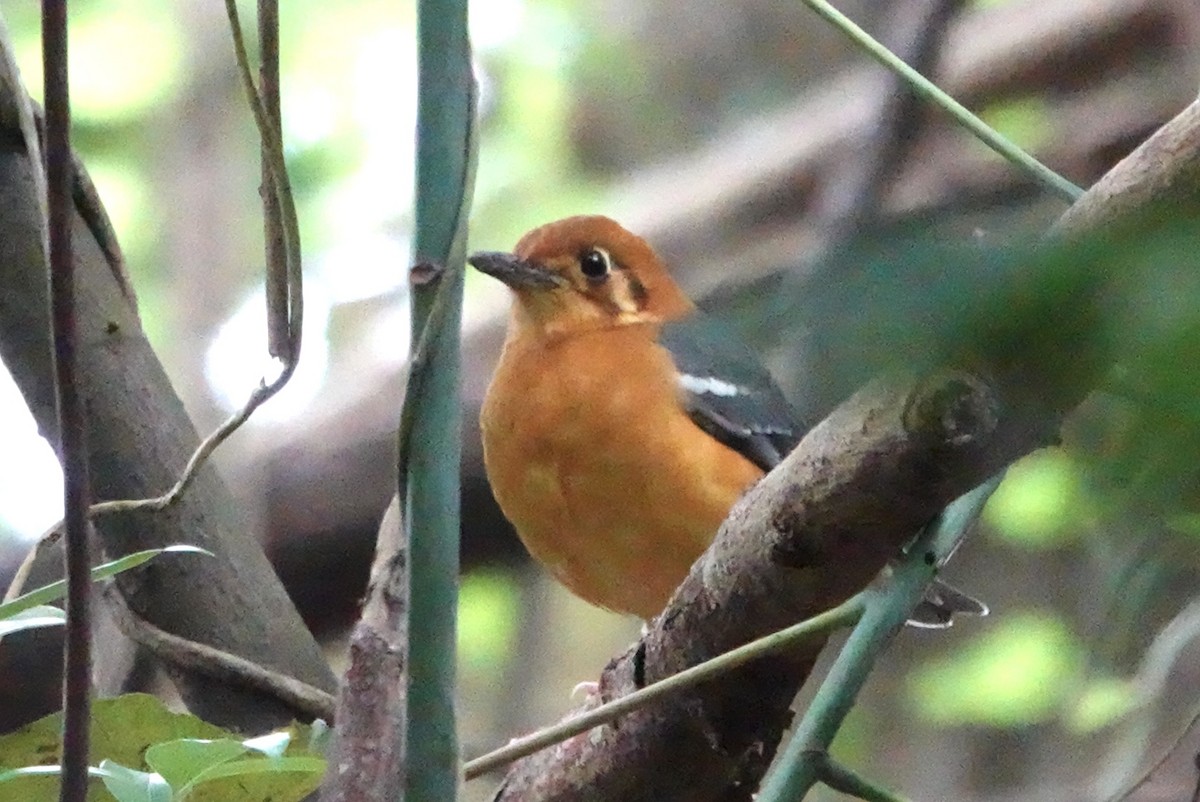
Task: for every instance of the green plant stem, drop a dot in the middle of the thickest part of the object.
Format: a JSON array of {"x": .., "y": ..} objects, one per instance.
[
  {"x": 930, "y": 91},
  {"x": 843, "y": 615},
  {"x": 887, "y": 608},
  {"x": 429, "y": 462},
  {"x": 840, "y": 778}
]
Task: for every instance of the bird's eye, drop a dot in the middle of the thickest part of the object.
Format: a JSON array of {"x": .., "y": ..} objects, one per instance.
[{"x": 595, "y": 263}]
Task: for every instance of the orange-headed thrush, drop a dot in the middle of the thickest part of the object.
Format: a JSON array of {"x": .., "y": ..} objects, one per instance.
[{"x": 620, "y": 426}]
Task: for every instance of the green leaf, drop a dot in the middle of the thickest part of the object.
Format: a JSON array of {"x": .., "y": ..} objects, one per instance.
[
  {"x": 181, "y": 761},
  {"x": 130, "y": 785},
  {"x": 273, "y": 744},
  {"x": 319, "y": 736},
  {"x": 42, "y": 771},
  {"x": 123, "y": 728},
  {"x": 127, "y": 728},
  {"x": 33, "y": 618},
  {"x": 55, "y": 590},
  {"x": 264, "y": 765}
]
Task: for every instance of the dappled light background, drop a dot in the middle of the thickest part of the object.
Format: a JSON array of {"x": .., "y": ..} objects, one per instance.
[{"x": 720, "y": 131}]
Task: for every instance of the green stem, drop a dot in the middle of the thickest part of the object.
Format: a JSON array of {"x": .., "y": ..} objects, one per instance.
[
  {"x": 843, "y": 615},
  {"x": 433, "y": 440},
  {"x": 799, "y": 768},
  {"x": 930, "y": 91},
  {"x": 840, "y": 778}
]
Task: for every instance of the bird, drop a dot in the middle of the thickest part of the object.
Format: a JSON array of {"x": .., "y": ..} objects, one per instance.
[{"x": 621, "y": 424}]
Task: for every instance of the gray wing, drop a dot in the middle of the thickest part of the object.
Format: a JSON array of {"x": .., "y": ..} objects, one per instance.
[{"x": 728, "y": 393}]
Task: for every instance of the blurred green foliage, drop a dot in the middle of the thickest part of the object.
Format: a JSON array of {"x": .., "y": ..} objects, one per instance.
[
  {"x": 1018, "y": 672},
  {"x": 487, "y": 619},
  {"x": 1101, "y": 701},
  {"x": 1026, "y": 121},
  {"x": 1041, "y": 502}
]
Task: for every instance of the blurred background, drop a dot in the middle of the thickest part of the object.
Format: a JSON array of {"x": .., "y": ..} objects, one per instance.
[{"x": 727, "y": 133}]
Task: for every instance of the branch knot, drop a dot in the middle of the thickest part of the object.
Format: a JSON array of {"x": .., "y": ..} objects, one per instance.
[{"x": 954, "y": 408}]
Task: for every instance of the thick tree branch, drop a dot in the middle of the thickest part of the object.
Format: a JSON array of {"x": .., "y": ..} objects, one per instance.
[{"x": 817, "y": 529}]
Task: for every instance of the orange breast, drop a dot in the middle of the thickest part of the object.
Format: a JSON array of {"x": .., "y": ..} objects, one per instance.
[{"x": 606, "y": 479}]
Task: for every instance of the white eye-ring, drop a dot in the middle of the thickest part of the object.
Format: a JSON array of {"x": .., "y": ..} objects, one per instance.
[{"x": 595, "y": 264}]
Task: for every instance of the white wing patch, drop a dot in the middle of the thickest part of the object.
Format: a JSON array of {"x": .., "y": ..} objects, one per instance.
[{"x": 708, "y": 385}]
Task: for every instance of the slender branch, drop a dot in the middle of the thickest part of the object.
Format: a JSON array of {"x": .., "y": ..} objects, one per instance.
[
  {"x": 843, "y": 615},
  {"x": 272, "y": 147},
  {"x": 218, "y": 664},
  {"x": 276, "y": 288},
  {"x": 218, "y": 436},
  {"x": 931, "y": 92},
  {"x": 840, "y": 778},
  {"x": 368, "y": 742},
  {"x": 72, "y": 422}
]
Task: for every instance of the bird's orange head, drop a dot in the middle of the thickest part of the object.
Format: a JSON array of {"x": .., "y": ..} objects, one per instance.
[{"x": 584, "y": 273}]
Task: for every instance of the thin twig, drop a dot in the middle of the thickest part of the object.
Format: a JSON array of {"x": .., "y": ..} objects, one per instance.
[
  {"x": 218, "y": 664},
  {"x": 288, "y": 223},
  {"x": 276, "y": 287},
  {"x": 91, "y": 209},
  {"x": 72, "y": 421},
  {"x": 48, "y": 539},
  {"x": 931, "y": 92},
  {"x": 844, "y": 614},
  {"x": 272, "y": 146},
  {"x": 260, "y": 395},
  {"x": 842, "y": 779}
]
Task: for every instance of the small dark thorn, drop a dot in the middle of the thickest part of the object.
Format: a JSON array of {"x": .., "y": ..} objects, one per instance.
[
  {"x": 423, "y": 273},
  {"x": 113, "y": 327},
  {"x": 930, "y": 558}
]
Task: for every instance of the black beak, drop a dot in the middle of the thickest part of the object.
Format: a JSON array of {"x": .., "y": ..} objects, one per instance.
[{"x": 516, "y": 273}]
